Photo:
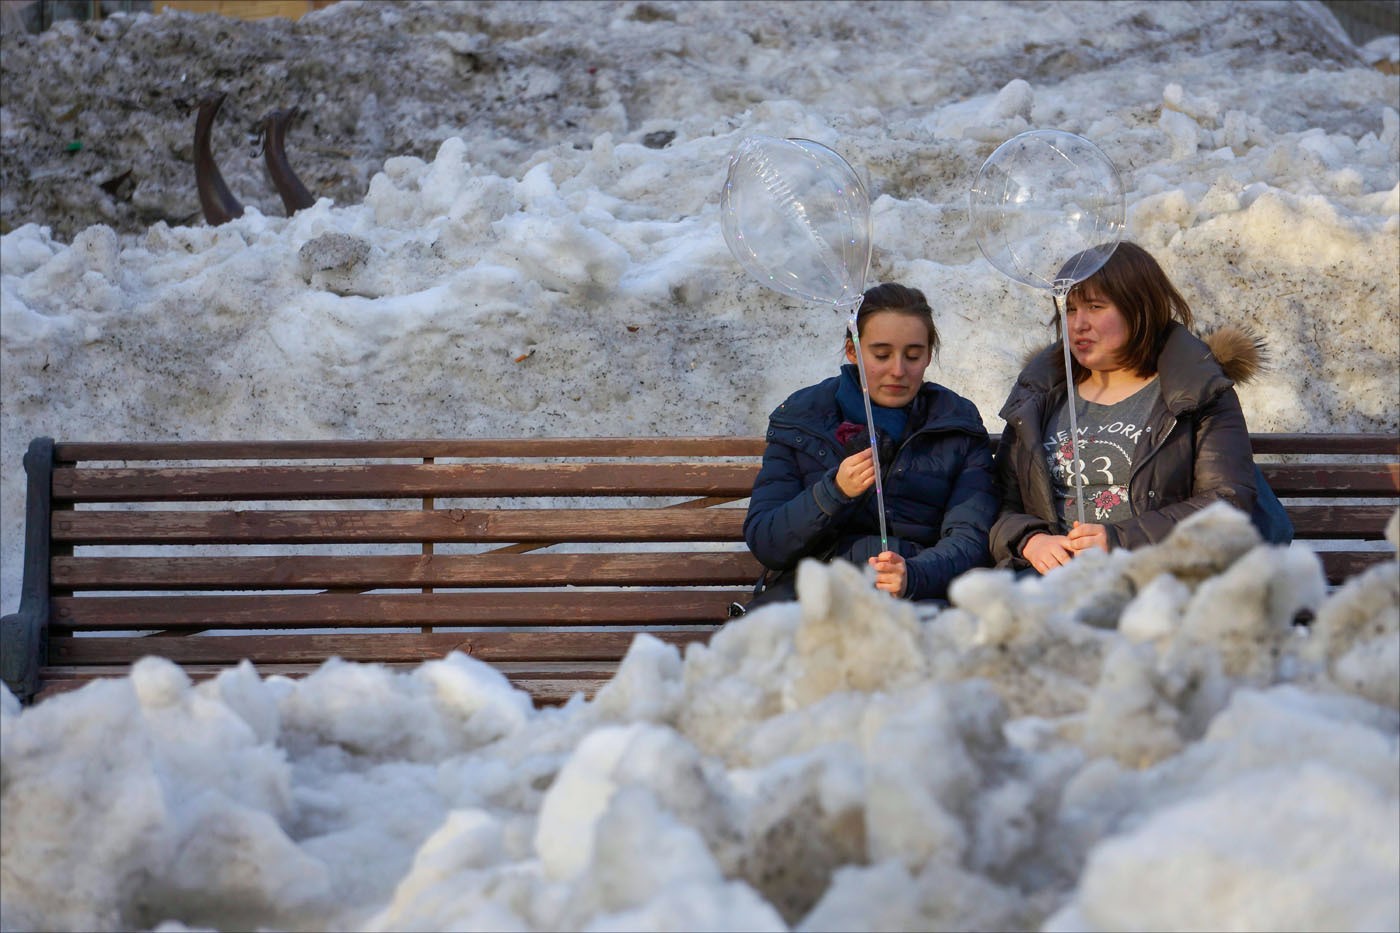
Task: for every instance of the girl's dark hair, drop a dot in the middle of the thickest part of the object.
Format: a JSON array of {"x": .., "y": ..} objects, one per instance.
[
  {"x": 891, "y": 296},
  {"x": 1133, "y": 280}
]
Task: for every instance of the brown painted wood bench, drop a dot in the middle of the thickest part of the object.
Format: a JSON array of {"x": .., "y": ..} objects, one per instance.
[{"x": 543, "y": 557}]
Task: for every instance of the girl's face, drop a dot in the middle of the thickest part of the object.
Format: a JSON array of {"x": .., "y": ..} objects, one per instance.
[
  {"x": 1098, "y": 332},
  {"x": 896, "y": 353}
]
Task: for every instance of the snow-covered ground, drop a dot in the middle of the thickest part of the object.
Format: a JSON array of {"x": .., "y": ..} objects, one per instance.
[
  {"x": 839, "y": 764},
  {"x": 524, "y": 238}
]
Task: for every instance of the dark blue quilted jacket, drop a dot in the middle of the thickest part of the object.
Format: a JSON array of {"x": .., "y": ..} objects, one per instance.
[{"x": 938, "y": 490}]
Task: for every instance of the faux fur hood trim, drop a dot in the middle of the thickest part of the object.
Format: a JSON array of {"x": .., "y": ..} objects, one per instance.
[{"x": 1241, "y": 351}]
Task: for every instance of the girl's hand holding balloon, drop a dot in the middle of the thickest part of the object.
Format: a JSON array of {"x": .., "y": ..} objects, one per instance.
[
  {"x": 1046, "y": 552},
  {"x": 856, "y": 473},
  {"x": 1086, "y": 537},
  {"x": 891, "y": 573}
]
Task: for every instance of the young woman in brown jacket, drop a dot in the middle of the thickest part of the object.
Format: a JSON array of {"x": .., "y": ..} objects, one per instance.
[{"x": 1161, "y": 431}]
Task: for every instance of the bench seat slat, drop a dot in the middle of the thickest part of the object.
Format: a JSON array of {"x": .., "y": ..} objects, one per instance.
[
  {"x": 521, "y": 670},
  {"x": 391, "y": 610},
  {"x": 557, "y": 480},
  {"x": 382, "y": 572},
  {"x": 544, "y": 688},
  {"x": 366, "y": 526},
  {"x": 1370, "y": 480},
  {"x": 397, "y": 480},
  {"x": 400, "y": 647}
]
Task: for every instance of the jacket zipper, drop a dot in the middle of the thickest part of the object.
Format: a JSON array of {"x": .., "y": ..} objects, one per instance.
[{"x": 1151, "y": 452}]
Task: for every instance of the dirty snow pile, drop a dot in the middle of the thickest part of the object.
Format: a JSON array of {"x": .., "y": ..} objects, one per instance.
[
  {"x": 1138, "y": 741},
  {"x": 518, "y": 234}
]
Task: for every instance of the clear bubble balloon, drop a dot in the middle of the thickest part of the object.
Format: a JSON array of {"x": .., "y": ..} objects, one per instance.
[
  {"x": 797, "y": 217},
  {"x": 1047, "y": 209}
]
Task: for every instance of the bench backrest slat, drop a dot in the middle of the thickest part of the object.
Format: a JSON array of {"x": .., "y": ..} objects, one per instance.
[
  {"x": 712, "y": 446},
  {"x": 1342, "y": 565},
  {"x": 413, "y": 449},
  {"x": 388, "y": 481},
  {"x": 300, "y": 571},
  {"x": 1340, "y": 522},
  {"x": 1380, "y": 445},
  {"x": 1371, "y": 480},
  {"x": 316, "y": 526},
  {"x": 388, "y": 610}
]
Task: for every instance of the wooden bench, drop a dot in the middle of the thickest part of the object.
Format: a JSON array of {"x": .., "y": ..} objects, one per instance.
[{"x": 542, "y": 557}]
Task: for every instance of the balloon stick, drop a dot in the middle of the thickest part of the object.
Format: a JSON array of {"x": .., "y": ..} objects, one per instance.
[
  {"x": 1076, "y": 463},
  {"x": 870, "y": 424}
]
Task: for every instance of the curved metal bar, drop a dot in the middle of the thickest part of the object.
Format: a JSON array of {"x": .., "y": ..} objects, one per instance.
[
  {"x": 215, "y": 199},
  {"x": 293, "y": 192}
]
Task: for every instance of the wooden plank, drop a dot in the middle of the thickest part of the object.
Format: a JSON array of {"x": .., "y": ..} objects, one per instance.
[
  {"x": 715, "y": 446},
  {"x": 521, "y": 671},
  {"x": 558, "y": 692},
  {"x": 393, "y": 610},
  {"x": 382, "y": 526},
  {"x": 1340, "y": 566},
  {"x": 1328, "y": 480},
  {"x": 1385, "y": 445},
  {"x": 298, "y": 571},
  {"x": 1340, "y": 522},
  {"x": 543, "y": 691},
  {"x": 400, "y": 647},
  {"x": 368, "y": 526},
  {"x": 400, "y": 480},
  {"x": 413, "y": 449}
]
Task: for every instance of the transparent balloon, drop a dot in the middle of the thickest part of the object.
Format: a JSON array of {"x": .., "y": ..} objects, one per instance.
[
  {"x": 1047, "y": 209},
  {"x": 797, "y": 217}
]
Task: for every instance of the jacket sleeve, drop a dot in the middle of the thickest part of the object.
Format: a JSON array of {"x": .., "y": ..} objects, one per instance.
[
  {"x": 788, "y": 520},
  {"x": 1222, "y": 470},
  {"x": 962, "y": 545},
  {"x": 1014, "y": 524}
]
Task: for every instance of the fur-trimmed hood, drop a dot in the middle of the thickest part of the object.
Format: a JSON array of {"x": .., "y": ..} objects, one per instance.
[
  {"x": 1191, "y": 369},
  {"x": 1241, "y": 352}
]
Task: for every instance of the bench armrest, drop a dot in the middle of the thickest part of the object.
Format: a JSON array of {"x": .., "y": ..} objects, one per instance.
[{"x": 24, "y": 634}]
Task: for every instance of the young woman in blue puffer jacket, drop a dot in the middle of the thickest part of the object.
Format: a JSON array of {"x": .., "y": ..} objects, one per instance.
[{"x": 814, "y": 495}]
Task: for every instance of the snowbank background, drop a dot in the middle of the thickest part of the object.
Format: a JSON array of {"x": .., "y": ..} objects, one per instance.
[{"x": 519, "y": 235}]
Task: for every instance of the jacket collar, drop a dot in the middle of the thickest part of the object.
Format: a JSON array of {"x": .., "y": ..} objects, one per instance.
[
  {"x": 1188, "y": 374},
  {"x": 935, "y": 407}
]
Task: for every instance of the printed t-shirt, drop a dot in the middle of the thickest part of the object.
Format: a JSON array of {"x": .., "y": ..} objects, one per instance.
[{"x": 1108, "y": 439}]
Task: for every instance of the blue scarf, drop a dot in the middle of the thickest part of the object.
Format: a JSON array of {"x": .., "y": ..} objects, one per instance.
[{"x": 850, "y": 403}]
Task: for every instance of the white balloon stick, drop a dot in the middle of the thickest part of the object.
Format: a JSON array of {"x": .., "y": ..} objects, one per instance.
[
  {"x": 870, "y": 424},
  {"x": 1076, "y": 462}
]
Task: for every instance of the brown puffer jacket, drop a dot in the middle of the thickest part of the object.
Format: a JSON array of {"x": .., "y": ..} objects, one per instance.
[{"x": 1194, "y": 451}]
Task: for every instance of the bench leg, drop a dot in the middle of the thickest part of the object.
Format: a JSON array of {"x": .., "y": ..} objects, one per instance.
[{"x": 22, "y": 637}]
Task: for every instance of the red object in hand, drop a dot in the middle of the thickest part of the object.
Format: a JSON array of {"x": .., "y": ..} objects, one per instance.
[{"x": 847, "y": 430}]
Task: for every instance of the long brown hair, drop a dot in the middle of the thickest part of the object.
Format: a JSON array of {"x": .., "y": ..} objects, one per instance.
[{"x": 1149, "y": 302}]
